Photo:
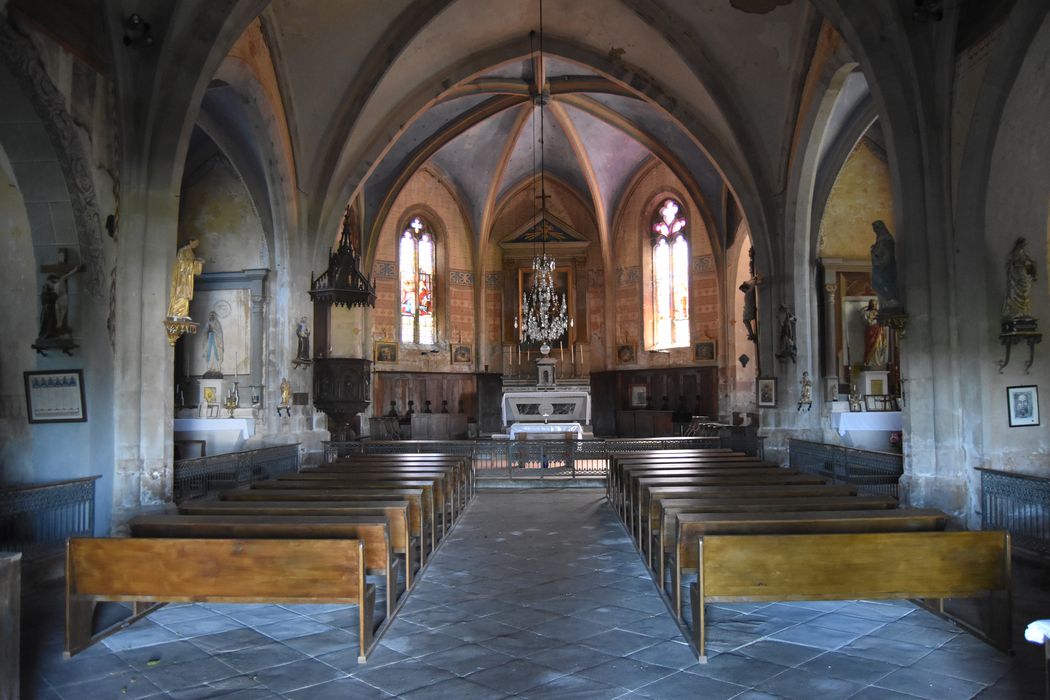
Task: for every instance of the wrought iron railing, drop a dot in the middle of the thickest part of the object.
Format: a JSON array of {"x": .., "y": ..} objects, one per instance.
[
  {"x": 201, "y": 476},
  {"x": 873, "y": 473},
  {"x": 538, "y": 457},
  {"x": 1019, "y": 504},
  {"x": 35, "y": 518}
]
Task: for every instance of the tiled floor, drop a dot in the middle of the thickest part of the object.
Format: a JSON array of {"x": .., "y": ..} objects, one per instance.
[{"x": 535, "y": 594}]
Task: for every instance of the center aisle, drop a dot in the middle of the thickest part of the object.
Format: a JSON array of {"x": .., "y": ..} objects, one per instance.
[{"x": 537, "y": 593}]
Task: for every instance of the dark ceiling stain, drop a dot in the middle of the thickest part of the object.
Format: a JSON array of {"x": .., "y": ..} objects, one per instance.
[{"x": 758, "y": 7}]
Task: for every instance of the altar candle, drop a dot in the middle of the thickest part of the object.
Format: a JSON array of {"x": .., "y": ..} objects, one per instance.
[
  {"x": 561, "y": 348},
  {"x": 572, "y": 349}
]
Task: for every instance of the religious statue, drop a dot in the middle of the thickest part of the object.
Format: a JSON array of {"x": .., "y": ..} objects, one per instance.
[
  {"x": 54, "y": 306},
  {"x": 876, "y": 348},
  {"x": 884, "y": 267},
  {"x": 214, "y": 347},
  {"x": 187, "y": 266},
  {"x": 786, "y": 347},
  {"x": 1020, "y": 276},
  {"x": 286, "y": 398},
  {"x": 805, "y": 397},
  {"x": 302, "y": 353},
  {"x": 750, "y": 290}
]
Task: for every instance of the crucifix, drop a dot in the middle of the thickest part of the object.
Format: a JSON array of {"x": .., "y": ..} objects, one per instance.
[{"x": 55, "y": 333}]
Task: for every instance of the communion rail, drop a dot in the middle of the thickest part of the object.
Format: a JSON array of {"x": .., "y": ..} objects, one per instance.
[
  {"x": 588, "y": 458},
  {"x": 873, "y": 473},
  {"x": 36, "y": 518},
  {"x": 203, "y": 476},
  {"x": 1020, "y": 504}
]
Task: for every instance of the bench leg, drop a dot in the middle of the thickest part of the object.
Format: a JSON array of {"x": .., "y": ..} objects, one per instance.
[
  {"x": 79, "y": 616},
  {"x": 697, "y": 603},
  {"x": 366, "y": 621}
]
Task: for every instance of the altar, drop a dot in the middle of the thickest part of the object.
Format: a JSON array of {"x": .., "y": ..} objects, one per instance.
[
  {"x": 218, "y": 435},
  {"x": 868, "y": 430},
  {"x": 539, "y": 405},
  {"x": 541, "y": 431}
]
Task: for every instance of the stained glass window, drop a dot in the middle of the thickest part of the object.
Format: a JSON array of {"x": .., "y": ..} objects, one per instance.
[
  {"x": 416, "y": 256},
  {"x": 670, "y": 277}
]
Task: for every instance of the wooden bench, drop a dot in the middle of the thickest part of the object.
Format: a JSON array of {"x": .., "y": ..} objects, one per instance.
[
  {"x": 432, "y": 495},
  {"x": 663, "y": 540},
  {"x": 766, "y": 568},
  {"x": 405, "y": 532},
  {"x": 150, "y": 572},
  {"x": 372, "y": 530},
  {"x": 419, "y": 507},
  {"x": 616, "y": 462},
  {"x": 464, "y": 463},
  {"x": 689, "y": 527},
  {"x": 627, "y": 469},
  {"x": 446, "y": 497},
  {"x": 459, "y": 482}
]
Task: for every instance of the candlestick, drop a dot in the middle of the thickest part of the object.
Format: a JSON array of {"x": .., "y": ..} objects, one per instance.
[{"x": 561, "y": 349}]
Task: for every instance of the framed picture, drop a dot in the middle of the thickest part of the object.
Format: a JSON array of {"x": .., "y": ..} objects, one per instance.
[
  {"x": 767, "y": 392},
  {"x": 386, "y": 352},
  {"x": 626, "y": 354},
  {"x": 1022, "y": 403},
  {"x": 704, "y": 351},
  {"x": 879, "y": 402},
  {"x": 55, "y": 396},
  {"x": 639, "y": 395},
  {"x": 461, "y": 354},
  {"x": 856, "y": 406},
  {"x": 831, "y": 388}
]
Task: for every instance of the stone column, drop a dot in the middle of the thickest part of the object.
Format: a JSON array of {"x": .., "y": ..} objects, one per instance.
[
  {"x": 258, "y": 308},
  {"x": 830, "y": 358}
]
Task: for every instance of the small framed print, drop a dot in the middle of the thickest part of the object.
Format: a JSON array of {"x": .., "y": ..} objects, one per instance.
[
  {"x": 386, "y": 352},
  {"x": 879, "y": 402},
  {"x": 461, "y": 354},
  {"x": 767, "y": 392},
  {"x": 704, "y": 351},
  {"x": 639, "y": 395},
  {"x": 1022, "y": 404},
  {"x": 55, "y": 396}
]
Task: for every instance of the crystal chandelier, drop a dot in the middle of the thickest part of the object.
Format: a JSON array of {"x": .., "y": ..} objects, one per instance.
[{"x": 545, "y": 311}]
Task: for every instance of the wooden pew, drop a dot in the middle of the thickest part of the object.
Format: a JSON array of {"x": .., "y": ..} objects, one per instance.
[
  {"x": 406, "y": 533},
  {"x": 691, "y": 526},
  {"x": 444, "y": 486},
  {"x": 616, "y": 462},
  {"x": 627, "y": 468},
  {"x": 644, "y": 486},
  {"x": 465, "y": 464},
  {"x": 372, "y": 530},
  {"x": 420, "y": 506},
  {"x": 433, "y": 496},
  {"x": 457, "y": 478},
  {"x": 150, "y": 572},
  {"x": 668, "y": 508},
  {"x": 871, "y": 566}
]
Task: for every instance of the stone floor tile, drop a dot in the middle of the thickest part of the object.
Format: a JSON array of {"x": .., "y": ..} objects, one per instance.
[
  {"x": 619, "y": 642},
  {"x": 420, "y": 643},
  {"x": 146, "y": 658},
  {"x": 925, "y": 684},
  {"x": 323, "y": 642},
  {"x": 201, "y": 626},
  {"x": 932, "y": 637},
  {"x": 458, "y": 688},
  {"x": 812, "y": 636},
  {"x": 781, "y": 653},
  {"x": 339, "y": 689},
  {"x": 847, "y": 623},
  {"x": 81, "y": 669},
  {"x": 293, "y": 628},
  {"x": 570, "y": 629},
  {"x": 520, "y": 644},
  {"x": 190, "y": 673},
  {"x": 689, "y": 687},
  {"x": 230, "y": 641},
  {"x": 297, "y": 675},
  {"x": 888, "y": 650},
  {"x": 404, "y": 676},
  {"x": 738, "y": 669},
  {"x": 255, "y": 658},
  {"x": 467, "y": 659},
  {"x": 985, "y": 669},
  {"x": 129, "y": 685},
  {"x": 346, "y": 659},
  {"x": 797, "y": 684},
  {"x": 143, "y": 633},
  {"x": 628, "y": 673},
  {"x": 573, "y": 688},
  {"x": 515, "y": 676},
  {"x": 850, "y": 668},
  {"x": 570, "y": 658},
  {"x": 673, "y": 654}
]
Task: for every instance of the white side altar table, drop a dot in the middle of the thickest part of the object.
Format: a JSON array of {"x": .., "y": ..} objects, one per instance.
[
  {"x": 869, "y": 430},
  {"x": 222, "y": 434}
]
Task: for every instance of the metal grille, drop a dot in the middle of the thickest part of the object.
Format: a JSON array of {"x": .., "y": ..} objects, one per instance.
[
  {"x": 873, "y": 473},
  {"x": 1019, "y": 504},
  {"x": 36, "y": 517},
  {"x": 199, "y": 477}
]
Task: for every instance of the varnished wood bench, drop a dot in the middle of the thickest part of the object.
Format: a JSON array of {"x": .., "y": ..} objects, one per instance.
[
  {"x": 689, "y": 527},
  {"x": 616, "y": 461},
  {"x": 663, "y": 541},
  {"x": 406, "y": 532},
  {"x": 372, "y": 530},
  {"x": 767, "y": 568},
  {"x": 458, "y": 487},
  {"x": 463, "y": 463},
  {"x": 432, "y": 494},
  {"x": 150, "y": 572},
  {"x": 419, "y": 506},
  {"x": 622, "y": 488}
]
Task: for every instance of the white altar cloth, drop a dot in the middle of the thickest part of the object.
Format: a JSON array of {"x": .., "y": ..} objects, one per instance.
[
  {"x": 246, "y": 426},
  {"x": 517, "y": 428},
  {"x": 888, "y": 421},
  {"x": 576, "y": 403}
]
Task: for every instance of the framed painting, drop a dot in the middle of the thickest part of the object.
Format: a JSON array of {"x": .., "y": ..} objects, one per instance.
[
  {"x": 1022, "y": 403},
  {"x": 638, "y": 395},
  {"x": 704, "y": 351},
  {"x": 767, "y": 392},
  {"x": 461, "y": 354},
  {"x": 55, "y": 396},
  {"x": 626, "y": 354},
  {"x": 386, "y": 352}
]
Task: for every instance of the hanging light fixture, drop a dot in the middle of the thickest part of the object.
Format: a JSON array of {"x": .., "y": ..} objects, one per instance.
[{"x": 545, "y": 311}]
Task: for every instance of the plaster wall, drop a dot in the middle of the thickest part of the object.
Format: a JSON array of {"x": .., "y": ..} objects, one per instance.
[
  {"x": 861, "y": 194},
  {"x": 1017, "y": 205}
]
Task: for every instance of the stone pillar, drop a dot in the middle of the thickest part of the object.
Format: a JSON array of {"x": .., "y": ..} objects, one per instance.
[
  {"x": 258, "y": 308},
  {"x": 830, "y": 359},
  {"x": 10, "y": 627}
]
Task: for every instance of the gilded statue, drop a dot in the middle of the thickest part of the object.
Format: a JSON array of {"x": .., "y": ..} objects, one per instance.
[
  {"x": 187, "y": 266},
  {"x": 1020, "y": 276},
  {"x": 286, "y": 392},
  {"x": 806, "y": 392}
]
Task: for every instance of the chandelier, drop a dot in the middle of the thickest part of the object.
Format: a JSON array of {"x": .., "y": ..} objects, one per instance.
[{"x": 544, "y": 310}]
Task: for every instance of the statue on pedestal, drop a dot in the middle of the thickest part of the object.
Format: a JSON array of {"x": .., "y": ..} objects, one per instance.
[
  {"x": 1020, "y": 276},
  {"x": 214, "y": 347},
  {"x": 876, "y": 348},
  {"x": 187, "y": 266},
  {"x": 302, "y": 353},
  {"x": 786, "y": 347},
  {"x": 884, "y": 267}
]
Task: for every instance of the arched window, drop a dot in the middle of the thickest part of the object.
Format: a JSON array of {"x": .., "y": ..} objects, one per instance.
[
  {"x": 670, "y": 277},
  {"x": 416, "y": 260}
]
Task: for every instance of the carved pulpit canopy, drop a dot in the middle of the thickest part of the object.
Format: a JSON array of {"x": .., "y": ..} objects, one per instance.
[{"x": 343, "y": 283}]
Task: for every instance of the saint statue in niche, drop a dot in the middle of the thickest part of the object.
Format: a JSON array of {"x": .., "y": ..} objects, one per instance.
[
  {"x": 213, "y": 347},
  {"x": 884, "y": 267},
  {"x": 787, "y": 349},
  {"x": 1020, "y": 276},
  {"x": 54, "y": 306},
  {"x": 187, "y": 266},
  {"x": 302, "y": 354},
  {"x": 876, "y": 348}
]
